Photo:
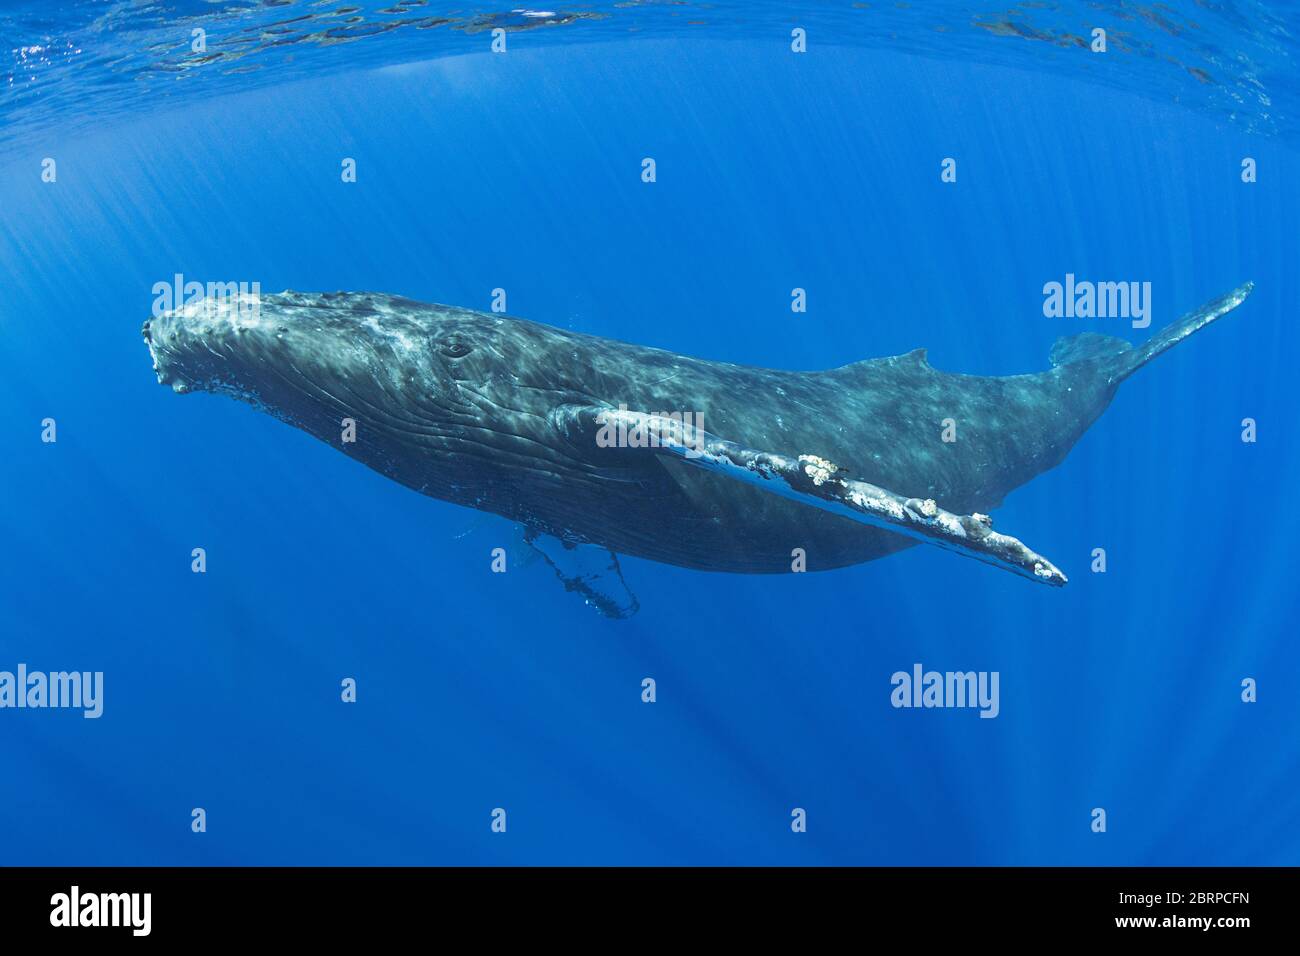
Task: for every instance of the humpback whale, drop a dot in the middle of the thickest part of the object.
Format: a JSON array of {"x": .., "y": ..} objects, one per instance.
[{"x": 594, "y": 443}]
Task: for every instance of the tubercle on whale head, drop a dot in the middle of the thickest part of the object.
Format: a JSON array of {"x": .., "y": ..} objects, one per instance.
[{"x": 190, "y": 345}]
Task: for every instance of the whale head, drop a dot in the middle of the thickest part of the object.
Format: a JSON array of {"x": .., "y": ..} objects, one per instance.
[{"x": 430, "y": 392}]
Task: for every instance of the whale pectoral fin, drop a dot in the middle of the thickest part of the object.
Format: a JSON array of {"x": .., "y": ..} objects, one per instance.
[
  {"x": 820, "y": 484},
  {"x": 589, "y": 570}
]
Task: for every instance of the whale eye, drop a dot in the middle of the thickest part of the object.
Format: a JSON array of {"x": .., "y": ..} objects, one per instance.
[{"x": 454, "y": 349}]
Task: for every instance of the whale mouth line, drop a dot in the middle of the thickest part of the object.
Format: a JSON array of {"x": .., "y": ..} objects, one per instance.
[
  {"x": 170, "y": 369},
  {"x": 163, "y": 366}
]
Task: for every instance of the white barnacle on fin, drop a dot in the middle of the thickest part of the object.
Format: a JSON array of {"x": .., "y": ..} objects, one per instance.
[
  {"x": 976, "y": 525},
  {"x": 818, "y": 469}
]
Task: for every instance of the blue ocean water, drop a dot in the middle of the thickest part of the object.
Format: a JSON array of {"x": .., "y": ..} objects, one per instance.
[{"x": 477, "y": 691}]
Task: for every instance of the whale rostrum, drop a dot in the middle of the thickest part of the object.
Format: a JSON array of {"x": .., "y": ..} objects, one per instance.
[{"x": 640, "y": 451}]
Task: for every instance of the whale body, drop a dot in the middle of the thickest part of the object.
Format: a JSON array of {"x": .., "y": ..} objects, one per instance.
[{"x": 507, "y": 416}]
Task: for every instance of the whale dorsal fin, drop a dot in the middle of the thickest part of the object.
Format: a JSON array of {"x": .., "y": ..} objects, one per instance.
[{"x": 918, "y": 358}]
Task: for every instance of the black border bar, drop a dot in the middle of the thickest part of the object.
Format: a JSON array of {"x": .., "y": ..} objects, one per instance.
[{"x": 334, "y": 905}]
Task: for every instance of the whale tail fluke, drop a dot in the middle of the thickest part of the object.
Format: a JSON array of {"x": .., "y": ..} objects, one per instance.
[
  {"x": 1130, "y": 360},
  {"x": 1086, "y": 345},
  {"x": 1120, "y": 359}
]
